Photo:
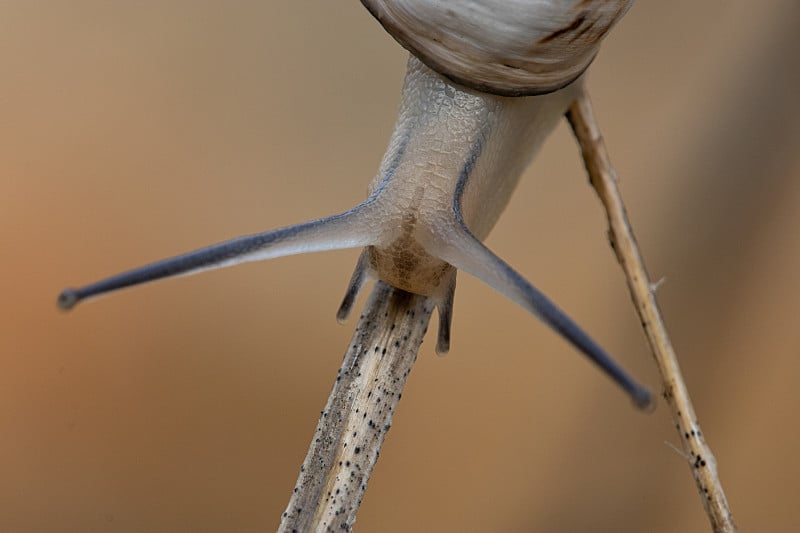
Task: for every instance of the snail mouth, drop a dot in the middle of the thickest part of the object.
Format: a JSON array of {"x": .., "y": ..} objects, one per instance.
[{"x": 406, "y": 264}]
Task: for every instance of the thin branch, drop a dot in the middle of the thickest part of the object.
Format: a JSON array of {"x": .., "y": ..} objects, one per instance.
[
  {"x": 358, "y": 414},
  {"x": 604, "y": 179}
]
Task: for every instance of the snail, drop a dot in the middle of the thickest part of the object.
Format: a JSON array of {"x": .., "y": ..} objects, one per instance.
[{"x": 486, "y": 82}]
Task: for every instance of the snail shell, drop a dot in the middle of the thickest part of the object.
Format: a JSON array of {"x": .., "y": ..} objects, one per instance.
[{"x": 506, "y": 47}]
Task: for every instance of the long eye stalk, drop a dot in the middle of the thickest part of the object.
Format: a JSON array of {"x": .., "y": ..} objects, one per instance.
[
  {"x": 354, "y": 229},
  {"x": 467, "y": 253},
  {"x": 345, "y": 230},
  {"x": 446, "y": 141}
]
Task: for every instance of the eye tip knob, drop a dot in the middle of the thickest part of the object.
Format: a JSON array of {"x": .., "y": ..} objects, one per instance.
[
  {"x": 67, "y": 299},
  {"x": 643, "y": 399}
]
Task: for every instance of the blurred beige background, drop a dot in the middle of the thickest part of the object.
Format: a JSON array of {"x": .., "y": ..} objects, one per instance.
[{"x": 130, "y": 131}]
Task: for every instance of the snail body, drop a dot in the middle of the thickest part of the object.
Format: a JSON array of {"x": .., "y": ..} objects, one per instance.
[{"x": 452, "y": 163}]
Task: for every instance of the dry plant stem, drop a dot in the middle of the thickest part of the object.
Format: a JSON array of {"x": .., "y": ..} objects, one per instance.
[
  {"x": 358, "y": 414},
  {"x": 604, "y": 179}
]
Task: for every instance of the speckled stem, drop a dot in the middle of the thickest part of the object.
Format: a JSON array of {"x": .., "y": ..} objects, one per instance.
[
  {"x": 358, "y": 414},
  {"x": 604, "y": 179}
]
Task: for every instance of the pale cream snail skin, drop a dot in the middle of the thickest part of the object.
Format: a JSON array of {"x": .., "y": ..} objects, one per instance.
[{"x": 453, "y": 161}]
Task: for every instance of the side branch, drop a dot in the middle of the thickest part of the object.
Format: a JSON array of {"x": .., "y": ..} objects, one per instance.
[
  {"x": 604, "y": 179},
  {"x": 351, "y": 429}
]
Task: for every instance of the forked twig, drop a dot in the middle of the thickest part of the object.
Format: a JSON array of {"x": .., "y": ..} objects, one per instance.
[
  {"x": 358, "y": 414},
  {"x": 353, "y": 425},
  {"x": 604, "y": 179}
]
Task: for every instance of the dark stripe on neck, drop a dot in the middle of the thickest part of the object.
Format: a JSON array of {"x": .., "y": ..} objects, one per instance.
[{"x": 466, "y": 172}]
